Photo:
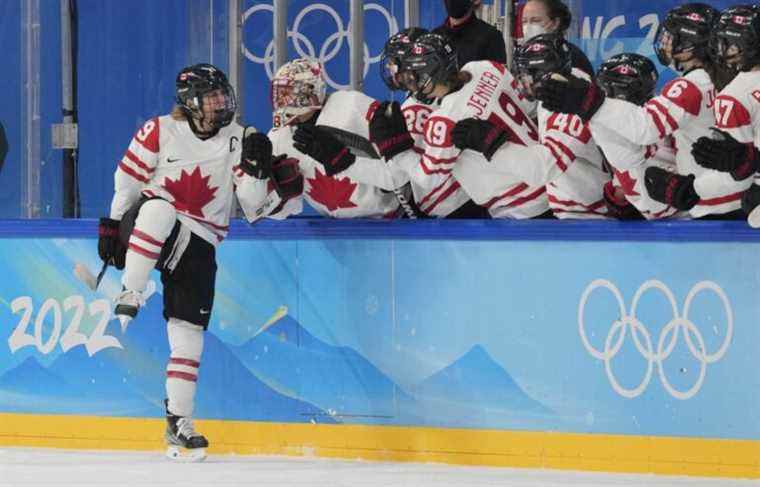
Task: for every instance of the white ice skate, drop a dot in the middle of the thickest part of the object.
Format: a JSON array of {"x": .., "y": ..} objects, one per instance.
[
  {"x": 184, "y": 444},
  {"x": 127, "y": 305}
]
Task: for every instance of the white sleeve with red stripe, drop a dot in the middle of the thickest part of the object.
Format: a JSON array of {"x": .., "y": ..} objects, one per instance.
[
  {"x": 439, "y": 158},
  {"x": 680, "y": 100},
  {"x": 564, "y": 136},
  {"x": 378, "y": 173},
  {"x": 136, "y": 168},
  {"x": 732, "y": 116}
]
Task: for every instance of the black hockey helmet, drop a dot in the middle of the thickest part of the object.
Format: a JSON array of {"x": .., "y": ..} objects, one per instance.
[
  {"x": 628, "y": 76},
  {"x": 735, "y": 39},
  {"x": 431, "y": 60},
  {"x": 686, "y": 28},
  {"x": 196, "y": 81},
  {"x": 538, "y": 57},
  {"x": 394, "y": 51}
]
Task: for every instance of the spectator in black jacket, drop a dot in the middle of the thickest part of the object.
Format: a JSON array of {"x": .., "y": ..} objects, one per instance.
[
  {"x": 545, "y": 16},
  {"x": 473, "y": 39}
]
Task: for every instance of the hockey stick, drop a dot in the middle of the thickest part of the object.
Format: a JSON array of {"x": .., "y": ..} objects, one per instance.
[
  {"x": 87, "y": 277},
  {"x": 362, "y": 147}
]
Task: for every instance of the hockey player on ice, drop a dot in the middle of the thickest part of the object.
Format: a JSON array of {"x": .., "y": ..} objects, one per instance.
[
  {"x": 174, "y": 190},
  {"x": 445, "y": 176},
  {"x": 567, "y": 160},
  {"x": 325, "y": 133},
  {"x": 733, "y": 147},
  {"x": 683, "y": 109}
]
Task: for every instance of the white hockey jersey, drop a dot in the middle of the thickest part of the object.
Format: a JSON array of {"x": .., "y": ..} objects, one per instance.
[
  {"x": 684, "y": 110},
  {"x": 361, "y": 191},
  {"x": 436, "y": 193},
  {"x": 737, "y": 111},
  {"x": 628, "y": 162},
  {"x": 489, "y": 95},
  {"x": 566, "y": 160},
  {"x": 199, "y": 177}
]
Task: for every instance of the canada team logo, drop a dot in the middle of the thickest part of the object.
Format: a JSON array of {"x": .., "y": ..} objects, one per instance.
[{"x": 681, "y": 324}]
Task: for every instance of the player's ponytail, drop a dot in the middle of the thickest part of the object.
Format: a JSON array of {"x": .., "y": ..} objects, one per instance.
[{"x": 457, "y": 80}]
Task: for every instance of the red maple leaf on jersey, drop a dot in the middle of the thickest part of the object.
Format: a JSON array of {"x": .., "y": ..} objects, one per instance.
[
  {"x": 331, "y": 192},
  {"x": 627, "y": 183},
  {"x": 191, "y": 192}
]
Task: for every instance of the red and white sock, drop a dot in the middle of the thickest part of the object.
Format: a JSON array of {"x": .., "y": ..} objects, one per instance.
[
  {"x": 186, "y": 344},
  {"x": 153, "y": 225}
]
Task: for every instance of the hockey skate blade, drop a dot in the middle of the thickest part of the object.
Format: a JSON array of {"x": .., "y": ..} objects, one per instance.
[
  {"x": 184, "y": 455},
  {"x": 754, "y": 218},
  {"x": 124, "y": 322}
]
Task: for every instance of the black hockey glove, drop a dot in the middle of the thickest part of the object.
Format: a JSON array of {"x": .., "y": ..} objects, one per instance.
[
  {"x": 618, "y": 206},
  {"x": 286, "y": 177},
  {"x": 670, "y": 188},
  {"x": 110, "y": 248},
  {"x": 570, "y": 95},
  {"x": 726, "y": 154},
  {"x": 256, "y": 157},
  {"x": 479, "y": 135},
  {"x": 387, "y": 130},
  {"x": 323, "y": 148},
  {"x": 751, "y": 199}
]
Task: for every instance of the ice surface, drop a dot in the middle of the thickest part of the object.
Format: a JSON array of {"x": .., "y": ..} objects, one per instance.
[{"x": 26, "y": 467}]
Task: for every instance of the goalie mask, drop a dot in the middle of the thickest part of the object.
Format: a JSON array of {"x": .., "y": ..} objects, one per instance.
[
  {"x": 205, "y": 97},
  {"x": 735, "y": 39},
  {"x": 539, "y": 57},
  {"x": 431, "y": 60},
  {"x": 686, "y": 28},
  {"x": 628, "y": 76},
  {"x": 395, "y": 49},
  {"x": 298, "y": 88}
]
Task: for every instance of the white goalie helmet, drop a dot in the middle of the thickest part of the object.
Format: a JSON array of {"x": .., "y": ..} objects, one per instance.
[{"x": 298, "y": 87}]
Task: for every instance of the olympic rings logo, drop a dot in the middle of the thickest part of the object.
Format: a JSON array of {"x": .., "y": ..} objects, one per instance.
[
  {"x": 666, "y": 341},
  {"x": 330, "y": 47}
]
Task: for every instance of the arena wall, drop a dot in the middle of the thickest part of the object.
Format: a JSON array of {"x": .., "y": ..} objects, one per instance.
[{"x": 573, "y": 345}]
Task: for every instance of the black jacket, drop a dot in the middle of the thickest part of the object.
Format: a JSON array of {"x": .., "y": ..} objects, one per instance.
[
  {"x": 475, "y": 40},
  {"x": 580, "y": 60}
]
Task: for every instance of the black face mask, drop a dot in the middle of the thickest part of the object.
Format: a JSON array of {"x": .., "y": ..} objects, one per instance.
[{"x": 457, "y": 8}]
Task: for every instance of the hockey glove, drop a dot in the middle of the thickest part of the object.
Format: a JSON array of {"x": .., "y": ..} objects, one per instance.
[
  {"x": 387, "y": 130},
  {"x": 256, "y": 158},
  {"x": 110, "y": 248},
  {"x": 670, "y": 188},
  {"x": 726, "y": 154},
  {"x": 570, "y": 95},
  {"x": 479, "y": 135},
  {"x": 323, "y": 148},
  {"x": 618, "y": 206},
  {"x": 286, "y": 177},
  {"x": 751, "y": 199}
]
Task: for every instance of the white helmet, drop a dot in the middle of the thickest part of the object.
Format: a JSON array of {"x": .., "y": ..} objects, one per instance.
[{"x": 298, "y": 87}]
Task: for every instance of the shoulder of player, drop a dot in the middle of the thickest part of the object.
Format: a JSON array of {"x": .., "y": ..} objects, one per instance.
[
  {"x": 744, "y": 88},
  {"x": 477, "y": 68},
  {"x": 348, "y": 96}
]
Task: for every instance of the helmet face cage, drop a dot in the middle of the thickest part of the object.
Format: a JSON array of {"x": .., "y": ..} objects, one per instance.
[
  {"x": 395, "y": 49},
  {"x": 686, "y": 28},
  {"x": 735, "y": 40},
  {"x": 205, "y": 83},
  {"x": 429, "y": 61},
  {"x": 539, "y": 57},
  {"x": 629, "y": 77},
  {"x": 298, "y": 88}
]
